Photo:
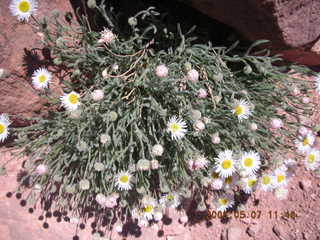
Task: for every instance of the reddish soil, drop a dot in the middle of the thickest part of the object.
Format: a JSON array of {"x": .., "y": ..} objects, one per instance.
[{"x": 16, "y": 223}]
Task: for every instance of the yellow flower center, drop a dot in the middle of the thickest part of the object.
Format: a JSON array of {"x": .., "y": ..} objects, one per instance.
[
  {"x": 175, "y": 127},
  {"x": 251, "y": 183},
  {"x": 281, "y": 178},
  {"x": 311, "y": 159},
  {"x": 170, "y": 197},
  {"x": 124, "y": 179},
  {"x": 228, "y": 180},
  {"x": 306, "y": 142},
  {"x": 239, "y": 110},
  {"x": 248, "y": 162},
  {"x": 2, "y": 128},
  {"x": 42, "y": 78},
  {"x": 73, "y": 98},
  {"x": 148, "y": 209},
  {"x": 24, "y": 6},
  {"x": 223, "y": 201},
  {"x": 266, "y": 180},
  {"x": 226, "y": 164}
]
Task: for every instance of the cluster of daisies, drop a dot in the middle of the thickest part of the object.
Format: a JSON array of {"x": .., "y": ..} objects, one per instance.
[
  {"x": 305, "y": 145},
  {"x": 149, "y": 209},
  {"x": 229, "y": 171}
]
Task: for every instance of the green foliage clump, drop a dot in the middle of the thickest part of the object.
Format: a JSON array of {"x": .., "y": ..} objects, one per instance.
[{"x": 124, "y": 127}]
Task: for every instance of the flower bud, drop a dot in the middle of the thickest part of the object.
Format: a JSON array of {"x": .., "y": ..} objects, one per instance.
[
  {"x": 97, "y": 95},
  {"x": 276, "y": 123},
  {"x": 154, "y": 164},
  {"x": 107, "y": 36},
  {"x": 253, "y": 126},
  {"x": 295, "y": 91},
  {"x": 115, "y": 67},
  {"x": 82, "y": 146},
  {"x": 193, "y": 75},
  {"x": 113, "y": 116},
  {"x": 133, "y": 21},
  {"x": 199, "y": 125},
  {"x": 84, "y": 184},
  {"x": 195, "y": 114},
  {"x": 41, "y": 169},
  {"x": 247, "y": 69},
  {"x": 105, "y": 138},
  {"x": 70, "y": 189},
  {"x": 143, "y": 165},
  {"x": 306, "y": 100},
  {"x": 98, "y": 166},
  {"x": 202, "y": 93},
  {"x": 157, "y": 150},
  {"x": 215, "y": 139},
  {"x": 91, "y": 3},
  {"x": 162, "y": 71},
  {"x": 101, "y": 199}
]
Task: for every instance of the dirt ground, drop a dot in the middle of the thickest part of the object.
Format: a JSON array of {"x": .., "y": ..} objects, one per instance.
[{"x": 264, "y": 221}]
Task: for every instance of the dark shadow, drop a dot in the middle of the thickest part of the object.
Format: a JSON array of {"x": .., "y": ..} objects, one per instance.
[{"x": 131, "y": 228}]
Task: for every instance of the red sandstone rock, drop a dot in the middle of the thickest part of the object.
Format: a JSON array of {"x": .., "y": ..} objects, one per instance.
[
  {"x": 21, "y": 53},
  {"x": 293, "y": 26}
]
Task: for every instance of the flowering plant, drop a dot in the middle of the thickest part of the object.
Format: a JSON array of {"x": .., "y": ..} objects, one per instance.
[{"x": 140, "y": 128}]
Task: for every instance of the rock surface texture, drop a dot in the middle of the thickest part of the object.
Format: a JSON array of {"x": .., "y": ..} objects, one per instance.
[
  {"x": 21, "y": 52},
  {"x": 293, "y": 26}
]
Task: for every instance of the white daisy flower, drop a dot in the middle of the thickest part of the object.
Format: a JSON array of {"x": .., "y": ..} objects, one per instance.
[
  {"x": 123, "y": 180},
  {"x": 241, "y": 109},
  {"x": 4, "y": 130},
  {"x": 312, "y": 159},
  {"x": 304, "y": 144},
  {"x": 41, "y": 78},
  {"x": 249, "y": 163},
  {"x": 171, "y": 200},
  {"x": 71, "y": 101},
  {"x": 267, "y": 182},
  {"x": 230, "y": 182},
  {"x": 225, "y": 165},
  {"x": 248, "y": 184},
  {"x": 280, "y": 176},
  {"x": 224, "y": 202},
  {"x": 148, "y": 210},
  {"x": 23, "y": 8},
  {"x": 177, "y": 128}
]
